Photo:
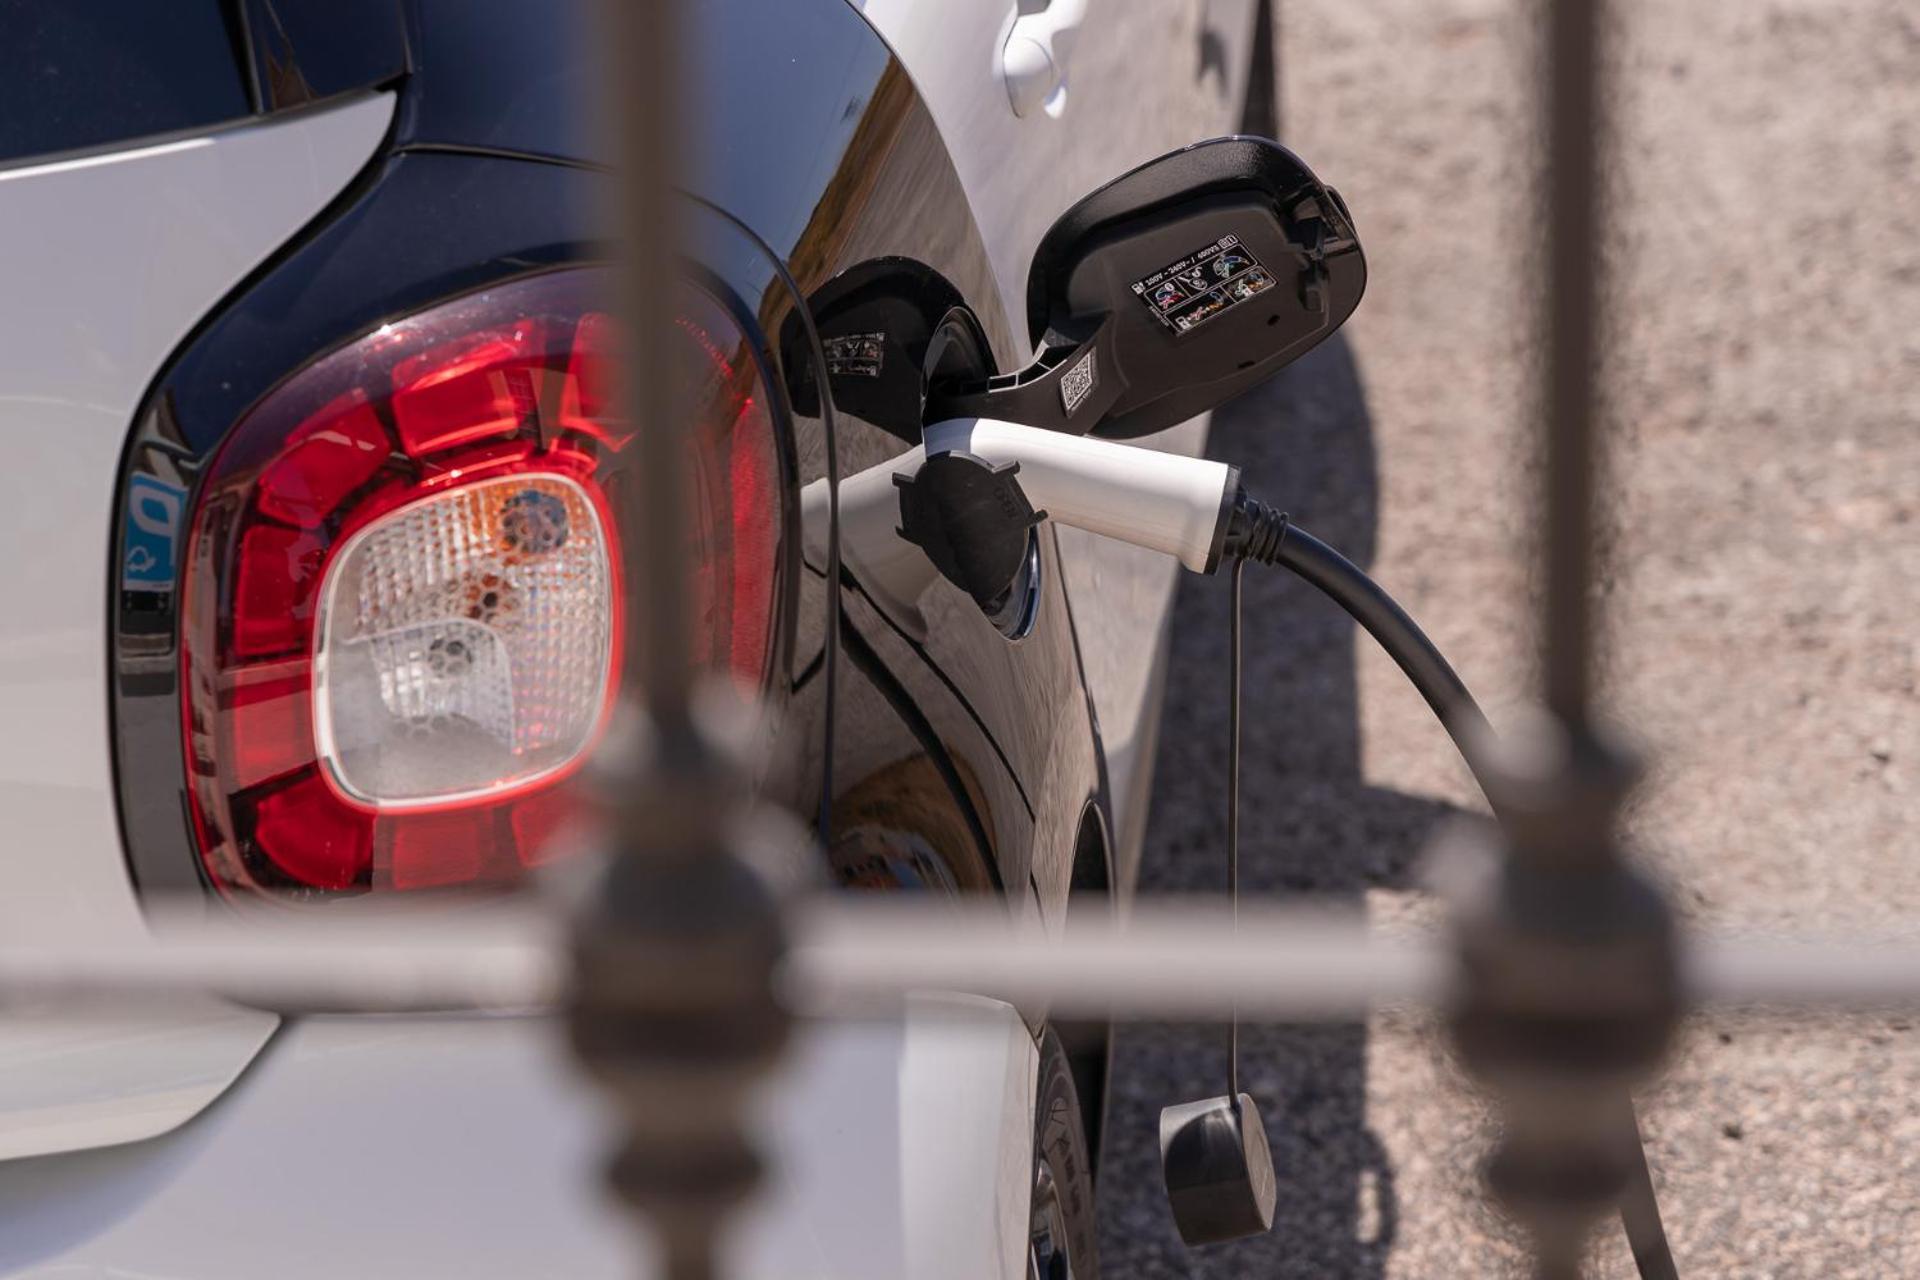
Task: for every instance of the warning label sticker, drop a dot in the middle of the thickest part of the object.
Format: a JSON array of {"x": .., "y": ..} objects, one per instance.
[{"x": 1203, "y": 284}]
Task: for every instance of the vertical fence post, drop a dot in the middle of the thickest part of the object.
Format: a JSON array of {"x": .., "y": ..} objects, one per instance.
[
  {"x": 671, "y": 1010},
  {"x": 1575, "y": 147},
  {"x": 1570, "y": 996}
]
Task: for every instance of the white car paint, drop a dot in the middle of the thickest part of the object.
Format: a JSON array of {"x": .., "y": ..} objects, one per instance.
[
  {"x": 468, "y": 1147},
  {"x": 108, "y": 261},
  {"x": 1036, "y": 56}
]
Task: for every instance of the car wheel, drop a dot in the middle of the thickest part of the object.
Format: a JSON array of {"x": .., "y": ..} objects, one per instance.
[{"x": 1061, "y": 1242}]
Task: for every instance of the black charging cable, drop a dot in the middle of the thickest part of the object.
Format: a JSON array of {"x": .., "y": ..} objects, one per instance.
[
  {"x": 1233, "y": 820},
  {"x": 1258, "y": 532}
]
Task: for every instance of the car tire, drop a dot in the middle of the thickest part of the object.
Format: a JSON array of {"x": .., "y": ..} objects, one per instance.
[{"x": 1062, "y": 1243}]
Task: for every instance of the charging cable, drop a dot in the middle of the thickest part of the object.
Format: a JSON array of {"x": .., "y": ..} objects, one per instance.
[
  {"x": 961, "y": 506},
  {"x": 1258, "y": 532}
]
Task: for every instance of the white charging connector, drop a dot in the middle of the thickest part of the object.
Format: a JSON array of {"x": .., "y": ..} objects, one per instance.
[
  {"x": 1161, "y": 501},
  {"x": 1187, "y": 508}
]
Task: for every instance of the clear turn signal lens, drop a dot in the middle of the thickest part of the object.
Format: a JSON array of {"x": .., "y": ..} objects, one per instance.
[{"x": 464, "y": 643}]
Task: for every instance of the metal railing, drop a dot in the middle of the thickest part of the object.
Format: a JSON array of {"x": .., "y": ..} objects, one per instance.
[{"x": 1563, "y": 975}]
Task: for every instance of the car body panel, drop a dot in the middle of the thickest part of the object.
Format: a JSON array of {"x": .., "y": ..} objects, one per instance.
[
  {"x": 847, "y": 155},
  {"x": 352, "y": 1150},
  {"x": 111, "y": 75},
  {"x": 891, "y": 194},
  {"x": 97, "y": 76},
  {"x": 304, "y": 51},
  {"x": 1143, "y": 78},
  {"x": 110, "y": 260}
]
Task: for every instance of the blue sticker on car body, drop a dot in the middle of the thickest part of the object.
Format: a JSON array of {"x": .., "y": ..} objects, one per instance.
[{"x": 152, "y": 532}]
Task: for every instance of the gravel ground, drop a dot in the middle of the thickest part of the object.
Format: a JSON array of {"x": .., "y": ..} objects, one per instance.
[{"x": 1764, "y": 573}]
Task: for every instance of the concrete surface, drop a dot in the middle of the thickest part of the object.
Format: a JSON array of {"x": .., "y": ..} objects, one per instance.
[{"x": 1763, "y": 578}]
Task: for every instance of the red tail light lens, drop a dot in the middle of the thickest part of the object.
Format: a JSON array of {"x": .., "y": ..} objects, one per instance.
[{"x": 403, "y": 591}]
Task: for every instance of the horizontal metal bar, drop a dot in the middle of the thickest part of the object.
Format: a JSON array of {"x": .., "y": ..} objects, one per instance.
[
  {"x": 1285, "y": 963},
  {"x": 386, "y": 962},
  {"x": 1801, "y": 973},
  {"x": 1167, "y": 961},
  {"x": 855, "y": 957}
]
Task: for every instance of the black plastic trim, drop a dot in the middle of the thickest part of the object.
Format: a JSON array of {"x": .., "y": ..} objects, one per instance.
[
  {"x": 1229, "y": 495},
  {"x": 498, "y": 153}
]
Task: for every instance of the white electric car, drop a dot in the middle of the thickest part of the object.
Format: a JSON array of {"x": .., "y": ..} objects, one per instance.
[{"x": 312, "y": 594}]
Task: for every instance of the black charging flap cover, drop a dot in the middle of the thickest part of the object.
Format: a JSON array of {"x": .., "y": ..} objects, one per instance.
[{"x": 1219, "y": 263}]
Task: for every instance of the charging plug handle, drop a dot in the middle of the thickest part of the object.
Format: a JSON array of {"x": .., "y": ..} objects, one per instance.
[{"x": 1165, "y": 502}]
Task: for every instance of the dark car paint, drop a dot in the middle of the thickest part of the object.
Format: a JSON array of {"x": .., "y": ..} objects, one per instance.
[
  {"x": 888, "y": 193},
  {"x": 834, "y": 161},
  {"x": 76, "y": 76},
  {"x": 90, "y": 74},
  {"x": 303, "y": 51}
]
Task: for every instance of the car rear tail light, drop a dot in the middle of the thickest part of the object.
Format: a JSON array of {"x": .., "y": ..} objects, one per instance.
[{"x": 402, "y": 622}]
